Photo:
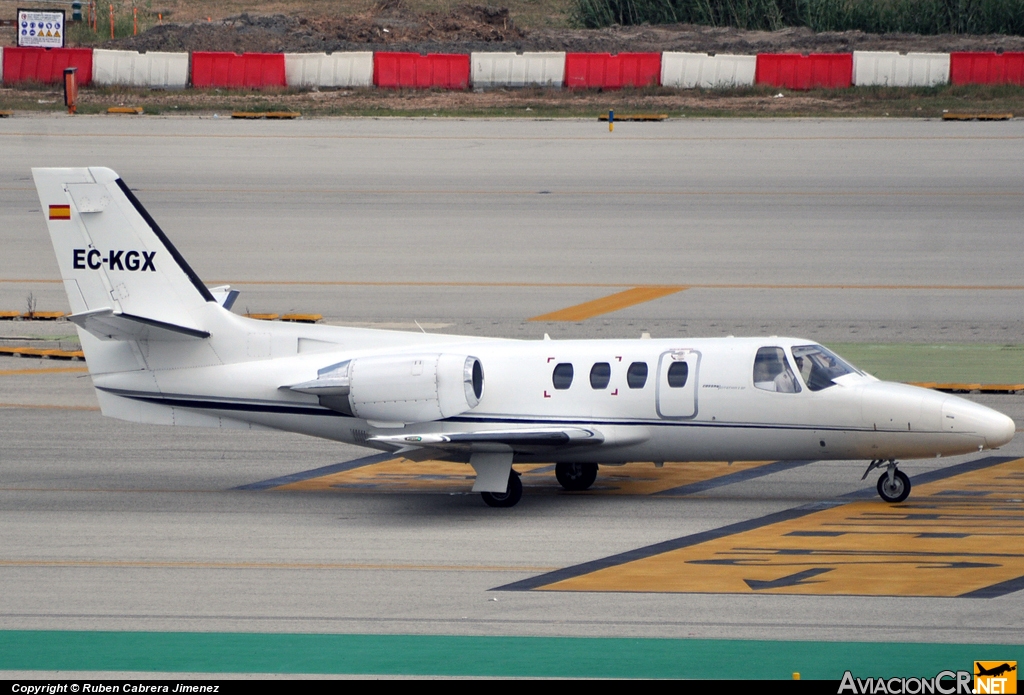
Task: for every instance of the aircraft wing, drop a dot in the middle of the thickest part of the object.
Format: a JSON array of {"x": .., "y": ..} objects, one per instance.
[{"x": 514, "y": 439}]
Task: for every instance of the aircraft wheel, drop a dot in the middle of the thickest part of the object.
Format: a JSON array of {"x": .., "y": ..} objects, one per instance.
[
  {"x": 576, "y": 476},
  {"x": 510, "y": 497},
  {"x": 897, "y": 491}
]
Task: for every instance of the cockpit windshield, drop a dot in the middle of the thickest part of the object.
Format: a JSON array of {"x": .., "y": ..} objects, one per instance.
[{"x": 819, "y": 367}]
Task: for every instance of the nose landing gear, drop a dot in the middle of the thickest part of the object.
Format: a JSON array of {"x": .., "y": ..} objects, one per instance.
[{"x": 893, "y": 485}]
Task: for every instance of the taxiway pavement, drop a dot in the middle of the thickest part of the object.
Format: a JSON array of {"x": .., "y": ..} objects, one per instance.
[{"x": 889, "y": 231}]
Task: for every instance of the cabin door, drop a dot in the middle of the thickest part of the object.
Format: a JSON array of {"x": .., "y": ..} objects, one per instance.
[{"x": 677, "y": 383}]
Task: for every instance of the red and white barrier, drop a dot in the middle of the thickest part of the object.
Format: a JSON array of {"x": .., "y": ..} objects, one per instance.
[
  {"x": 986, "y": 68},
  {"x": 133, "y": 69},
  {"x": 46, "y": 65},
  {"x": 690, "y": 70},
  {"x": 890, "y": 69},
  {"x": 607, "y": 71},
  {"x": 517, "y": 69},
  {"x": 678, "y": 70},
  {"x": 795, "y": 71},
  {"x": 353, "y": 69},
  {"x": 234, "y": 71}
]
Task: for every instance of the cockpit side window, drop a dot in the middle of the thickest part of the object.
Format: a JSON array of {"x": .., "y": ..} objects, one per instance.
[
  {"x": 819, "y": 366},
  {"x": 772, "y": 371}
]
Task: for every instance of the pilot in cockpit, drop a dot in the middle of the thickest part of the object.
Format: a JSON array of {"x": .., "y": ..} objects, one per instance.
[{"x": 772, "y": 371}]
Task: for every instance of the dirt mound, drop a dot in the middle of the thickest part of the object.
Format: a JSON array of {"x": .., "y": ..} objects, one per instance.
[
  {"x": 390, "y": 26},
  {"x": 386, "y": 27}
]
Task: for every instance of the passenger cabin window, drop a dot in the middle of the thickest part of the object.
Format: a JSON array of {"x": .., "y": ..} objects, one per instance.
[
  {"x": 772, "y": 371},
  {"x": 561, "y": 378},
  {"x": 600, "y": 375},
  {"x": 636, "y": 375},
  {"x": 818, "y": 366},
  {"x": 677, "y": 373}
]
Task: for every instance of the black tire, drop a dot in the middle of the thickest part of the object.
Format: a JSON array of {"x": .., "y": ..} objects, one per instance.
[
  {"x": 510, "y": 497},
  {"x": 898, "y": 491},
  {"x": 576, "y": 476}
]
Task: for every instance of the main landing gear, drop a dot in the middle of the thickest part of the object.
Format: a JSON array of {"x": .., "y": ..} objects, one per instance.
[
  {"x": 510, "y": 497},
  {"x": 893, "y": 485},
  {"x": 576, "y": 476}
]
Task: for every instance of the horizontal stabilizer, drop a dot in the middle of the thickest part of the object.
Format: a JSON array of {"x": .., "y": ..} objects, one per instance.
[
  {"x": 515, "y": 439},
  {"x": 107, "y": 324}
]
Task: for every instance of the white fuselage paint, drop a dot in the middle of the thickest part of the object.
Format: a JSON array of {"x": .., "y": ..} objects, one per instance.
[{"x": 719, "y": 414}]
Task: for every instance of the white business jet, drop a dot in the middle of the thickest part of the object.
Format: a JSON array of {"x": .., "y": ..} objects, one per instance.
[{"x": 164, "y": 348}]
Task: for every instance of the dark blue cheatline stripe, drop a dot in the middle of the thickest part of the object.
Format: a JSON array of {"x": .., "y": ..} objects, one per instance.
[
  {"x": 178, "y": 258},
  {"x": 731, "y": 478},
  {"x": 731, "y": 529},
  {"x": 578, "y": 422},
  {"x": 317, "y": 472},
  {"x": 237, "y": 406}
]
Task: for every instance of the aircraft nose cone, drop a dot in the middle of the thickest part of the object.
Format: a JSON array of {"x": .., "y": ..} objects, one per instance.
[
  {"x": 961, "y": 415},
  {"x": 1000, "y": 429}
]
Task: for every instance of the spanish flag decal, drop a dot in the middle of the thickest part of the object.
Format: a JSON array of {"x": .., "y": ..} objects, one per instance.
[{"x": 60, "y": 212}]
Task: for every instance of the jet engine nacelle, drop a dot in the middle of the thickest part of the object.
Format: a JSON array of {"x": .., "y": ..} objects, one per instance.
[{"x": 400, "y": 388}]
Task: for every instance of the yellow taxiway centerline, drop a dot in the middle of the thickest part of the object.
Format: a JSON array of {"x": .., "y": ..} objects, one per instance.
[{"x": 606, "y": 305}]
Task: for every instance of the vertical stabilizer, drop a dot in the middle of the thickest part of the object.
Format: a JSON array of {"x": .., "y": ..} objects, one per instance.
[{"x": 112, "y": 255}]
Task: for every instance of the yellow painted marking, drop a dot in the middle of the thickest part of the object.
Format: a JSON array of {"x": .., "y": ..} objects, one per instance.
[
  {"x": 184, "y": 564},
  {"x": 42, "y": 315},
  {"x": 55, "y": 370},
  {"x": 397, "y": 475},
  {"x": 967, "y": 387},
  {"x": 47, "y": 406},
  {"x": 136, "y": 110},
  {"x": 977, "y": 116},
  {"x": 645, "y": 479},
  {"x": 863, "y": 548},
  {"x": 403, "y": 475},
  {"x": 606, "y": 305},
  {"x": 302, "y": 318},
  {"x": 265, "y": 114},
  {"x": 36, "y": 352}
]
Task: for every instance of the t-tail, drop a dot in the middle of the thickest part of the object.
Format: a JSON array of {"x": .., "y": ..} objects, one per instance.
[{"x": 137, "y": 303}]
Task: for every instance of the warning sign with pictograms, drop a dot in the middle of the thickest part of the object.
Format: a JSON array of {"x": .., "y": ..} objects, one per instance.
[{"x": 41, "y": 28}]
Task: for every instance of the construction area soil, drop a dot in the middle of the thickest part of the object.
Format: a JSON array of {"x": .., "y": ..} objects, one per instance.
[{"x": 467, "y": 28}]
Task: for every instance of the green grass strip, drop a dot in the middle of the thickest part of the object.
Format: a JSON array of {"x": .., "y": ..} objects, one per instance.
[
  {"x": 966, "y": 363},
  {"x": 437, "y": 655}
]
